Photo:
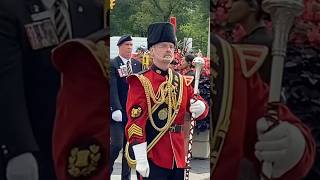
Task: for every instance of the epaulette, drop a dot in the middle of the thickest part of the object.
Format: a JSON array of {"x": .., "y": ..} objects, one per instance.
[
  {"x": 136, "y": 74},
  {"x": 97, "y": 51},
  {"x": 251, "y": 57},
  {"x": 142, "y": 72}
]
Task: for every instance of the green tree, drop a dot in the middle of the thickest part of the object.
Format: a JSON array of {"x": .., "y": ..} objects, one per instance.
[{"x": 133, "y": 17}]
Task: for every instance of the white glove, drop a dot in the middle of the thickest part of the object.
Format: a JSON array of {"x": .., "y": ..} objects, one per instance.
[
  {"x": 197, "y": 108},
  {"x": 23, "y": 167},
  {"x": 283, "y": 145},
  {"x": 140, "y": 154},
  {"x": 117, "y": 116}
]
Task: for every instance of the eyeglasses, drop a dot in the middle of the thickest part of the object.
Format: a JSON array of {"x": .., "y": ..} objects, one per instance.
[{"x": 165, "y": 46}]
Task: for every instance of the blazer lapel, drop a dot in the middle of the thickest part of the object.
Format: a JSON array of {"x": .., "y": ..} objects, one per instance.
[
  {"x": 85, "y": 12},
  {"x": 135, "y": 66},
  {"x": 119, "y": 61}
]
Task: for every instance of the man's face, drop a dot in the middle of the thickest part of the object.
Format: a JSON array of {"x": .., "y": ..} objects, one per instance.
[
  {"x": 184, "y": 64},
  {"x": 238, "y": 10},
  {"x": 125, "y": 49},
  {"x": 162, "y": 52}
]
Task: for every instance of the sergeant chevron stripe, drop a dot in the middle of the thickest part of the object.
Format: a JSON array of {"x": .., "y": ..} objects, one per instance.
[{"x": 135, "y": 130}]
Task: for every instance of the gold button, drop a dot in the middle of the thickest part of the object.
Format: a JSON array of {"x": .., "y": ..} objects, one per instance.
[{"x": 80, "y": 9}]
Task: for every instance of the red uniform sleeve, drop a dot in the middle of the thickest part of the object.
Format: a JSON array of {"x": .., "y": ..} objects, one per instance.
[
  {"x": 137, "y": 112},
  {"x": 256, "y": 109}
]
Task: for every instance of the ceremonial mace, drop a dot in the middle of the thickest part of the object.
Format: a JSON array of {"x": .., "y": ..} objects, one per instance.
[
  {"x": 198, "y": 63},
  {"x": 283, "y": 14}
]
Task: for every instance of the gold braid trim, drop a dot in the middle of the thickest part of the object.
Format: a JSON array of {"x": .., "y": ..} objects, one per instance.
[
  {"x": 103, "y": 56},
  {"x": 218, "y": 135},
  {"x": 166, "y": 94},
  {"x": 100, "y": 52},
  {"x": 166, "y": 89}
]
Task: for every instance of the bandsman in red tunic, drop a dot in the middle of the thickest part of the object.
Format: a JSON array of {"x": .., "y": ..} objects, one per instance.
[
  {"x": 158, "y": 100},
  {"x": 238, "y": 128}
]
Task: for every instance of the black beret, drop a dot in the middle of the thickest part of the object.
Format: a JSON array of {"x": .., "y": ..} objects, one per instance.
[
  {"x": 123, "y": 39},
  {"x": 160, "y": 32}
]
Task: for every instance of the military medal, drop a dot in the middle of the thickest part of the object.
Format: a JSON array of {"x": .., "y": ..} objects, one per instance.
[
  {"x": 41, "y": 15},
  {"x": 41, "y": 34},
  {"x": 123, "y": 71}
]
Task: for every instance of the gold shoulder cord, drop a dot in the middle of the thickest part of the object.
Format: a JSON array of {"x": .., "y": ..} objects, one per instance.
[
  {"x": 219, "y": 134},
  {"x": 102, "y": 52},
  {"x": 165, "y": 94}
]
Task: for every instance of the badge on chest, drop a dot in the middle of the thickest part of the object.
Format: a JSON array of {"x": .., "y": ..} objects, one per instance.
[{"x": 41, "y": 32}]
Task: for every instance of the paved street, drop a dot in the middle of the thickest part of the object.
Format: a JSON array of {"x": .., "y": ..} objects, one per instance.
[{"x": 199, "y": 171}]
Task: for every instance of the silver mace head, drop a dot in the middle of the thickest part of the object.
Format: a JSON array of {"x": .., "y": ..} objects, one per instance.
[
  {"x": 293, "y": 7},
  {"x": 198, "y": 63},
  {"x": 283, "y": 14}
]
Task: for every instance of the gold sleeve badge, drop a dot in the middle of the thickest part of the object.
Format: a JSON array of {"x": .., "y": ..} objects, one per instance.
[
  {"x": 136, "y": 111},
  {"x": 84, "y": 161}
]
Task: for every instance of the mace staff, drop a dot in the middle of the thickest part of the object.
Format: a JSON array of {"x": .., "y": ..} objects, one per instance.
[
  {"x": 198, "y": 63},
  {"x": 283, "y": 14}
]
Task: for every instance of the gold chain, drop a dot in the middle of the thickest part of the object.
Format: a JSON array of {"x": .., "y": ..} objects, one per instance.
[
  {"x": 166, "y": 94},
  {"x": 145, "y": 83}
]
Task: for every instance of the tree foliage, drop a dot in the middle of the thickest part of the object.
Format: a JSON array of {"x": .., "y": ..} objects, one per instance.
[{"x": 134, "y": 16}]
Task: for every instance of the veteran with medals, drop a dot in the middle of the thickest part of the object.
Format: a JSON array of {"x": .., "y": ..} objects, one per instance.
[
  {"x": 157, "y": 102},
  {"x": 120, "y": 68}
]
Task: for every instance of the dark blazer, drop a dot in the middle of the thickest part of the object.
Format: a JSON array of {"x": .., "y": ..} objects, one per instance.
[
  {"x": 119, "y": 86},
  {"x": 28, "y": 80}
]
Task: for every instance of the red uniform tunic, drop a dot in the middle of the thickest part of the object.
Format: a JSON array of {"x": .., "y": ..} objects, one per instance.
[
  {"x": 249, "y": 102},
  {"x": 81, "y": 127},
  {"x": 170, "y": 147}
]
